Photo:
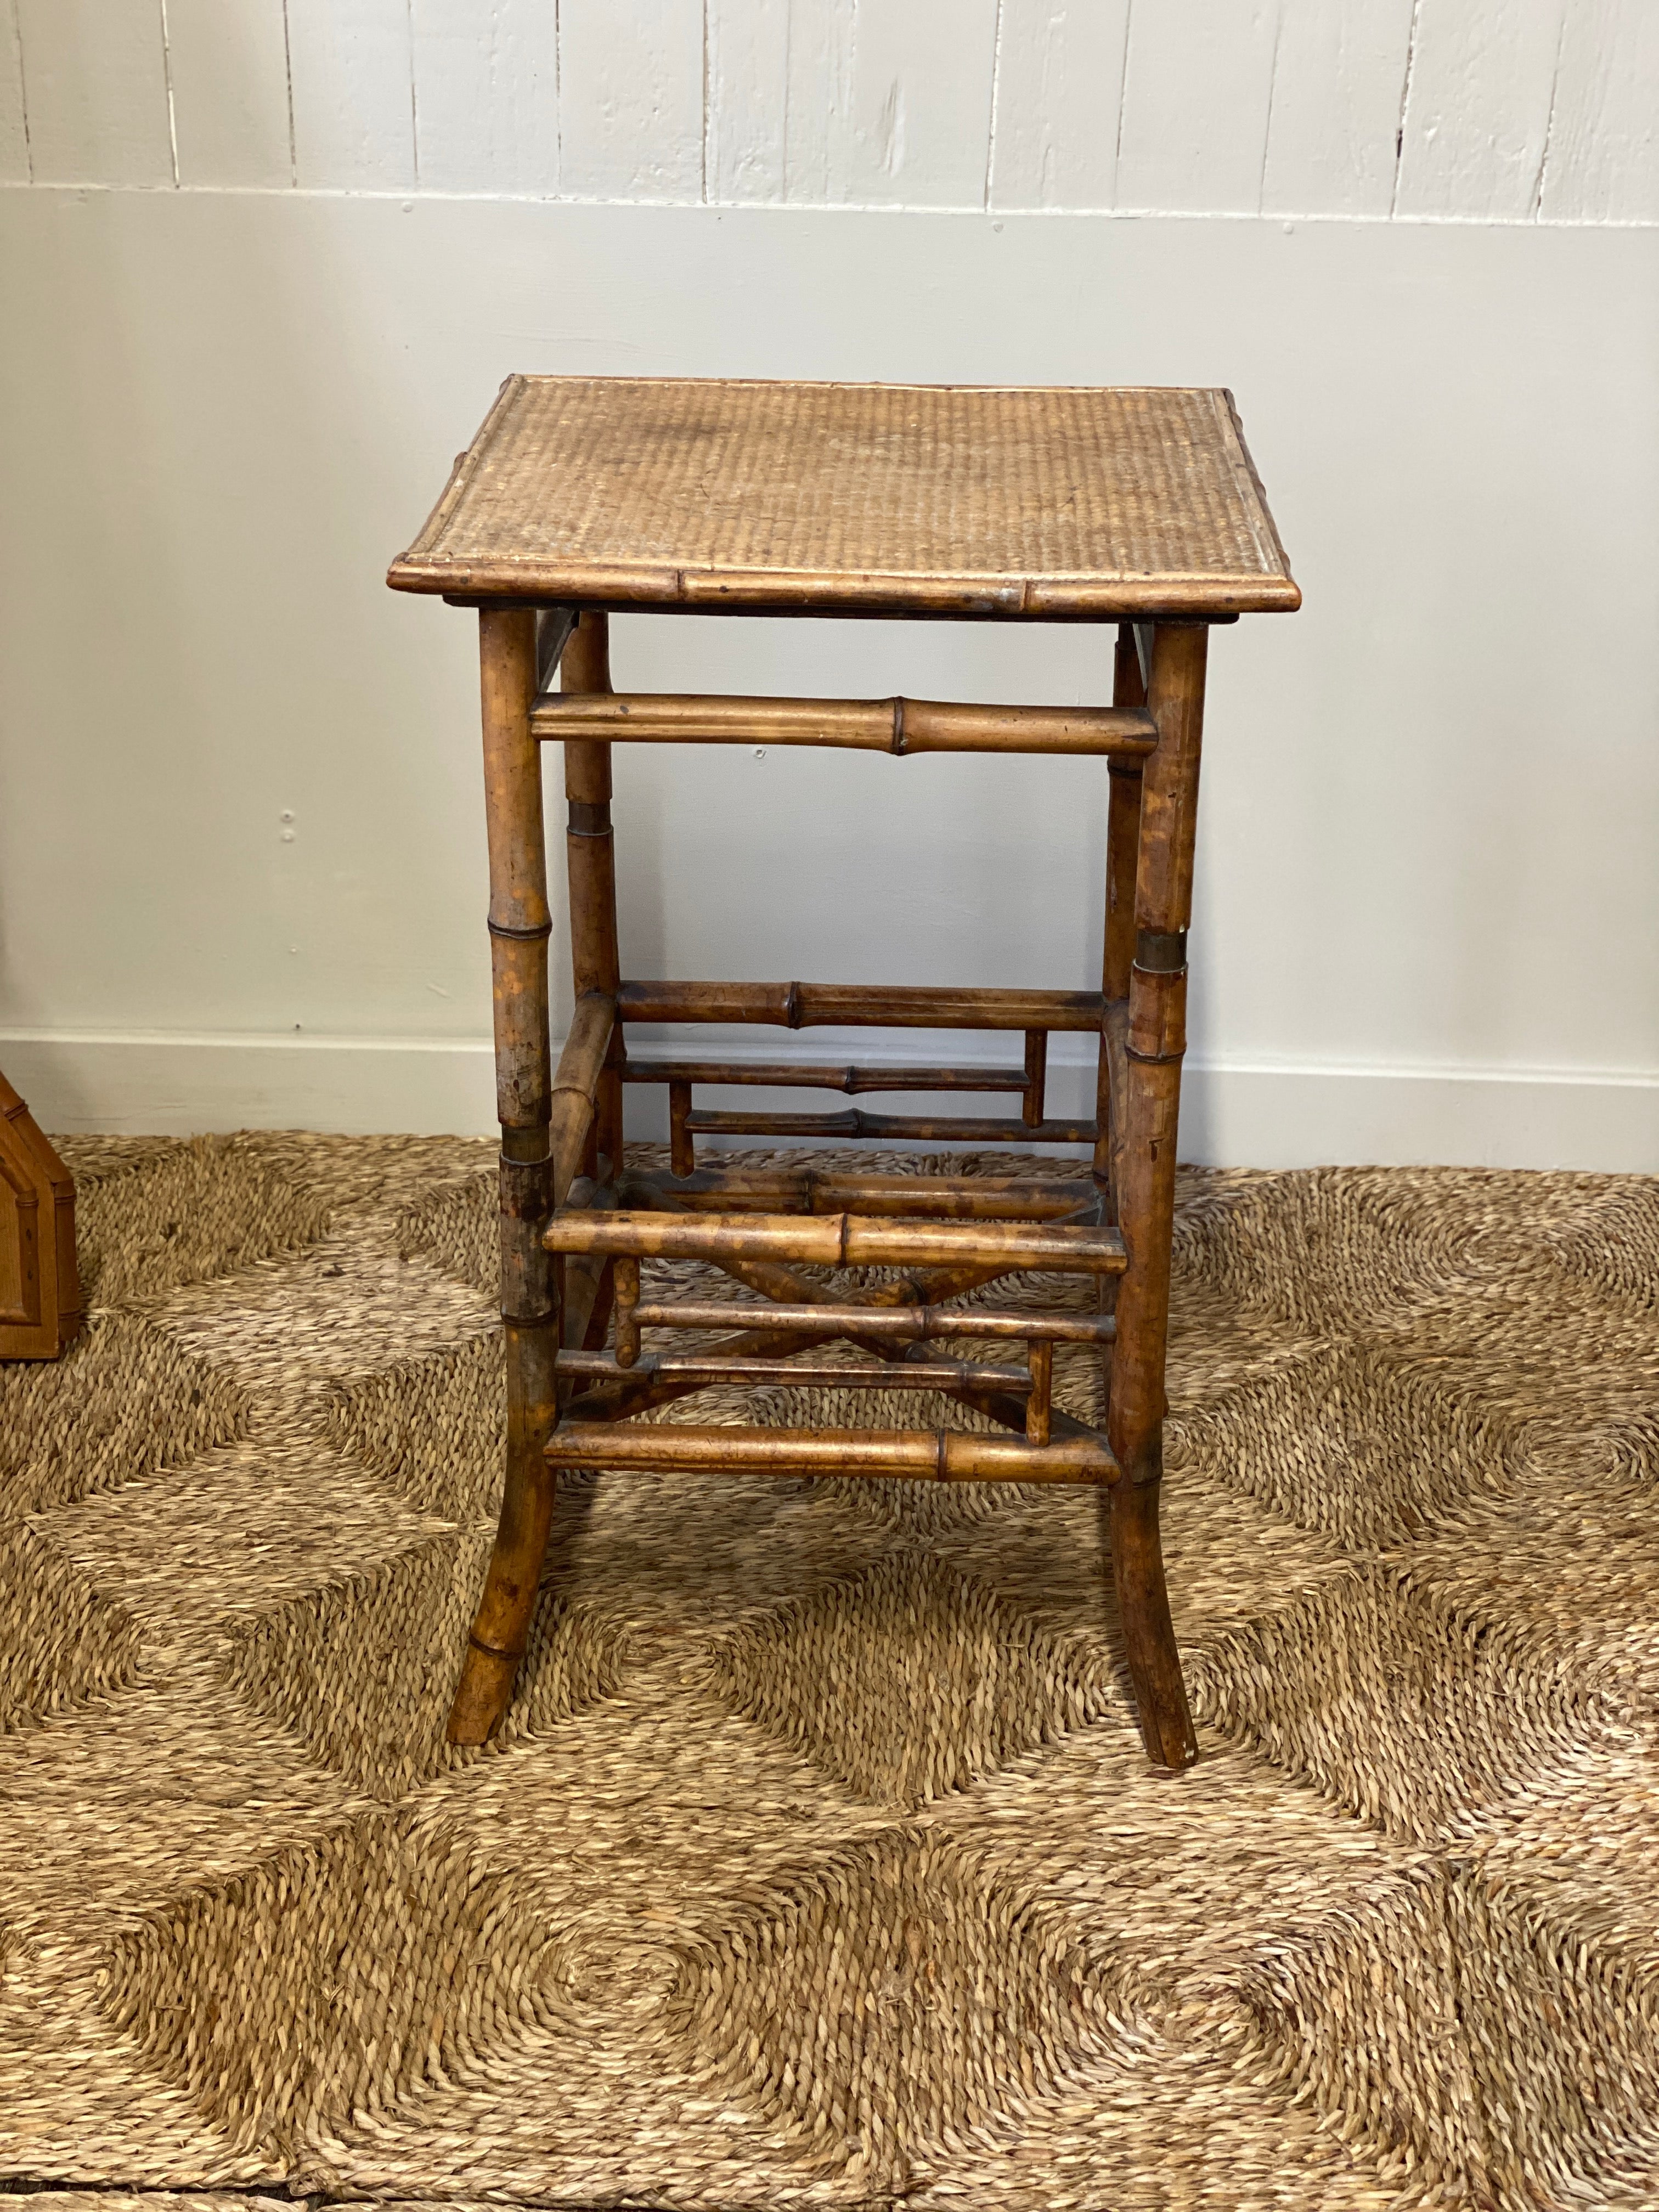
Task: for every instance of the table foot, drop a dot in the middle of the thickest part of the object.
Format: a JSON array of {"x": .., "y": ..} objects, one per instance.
[
  {"x": 1143, "y": 1604},
  {"x": 482, "y": 1695}
]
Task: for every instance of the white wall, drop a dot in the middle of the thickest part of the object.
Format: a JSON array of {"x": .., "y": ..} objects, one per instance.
[{"x": 1429, "y": 922}]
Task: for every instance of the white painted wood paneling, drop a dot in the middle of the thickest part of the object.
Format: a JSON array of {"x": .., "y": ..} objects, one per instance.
[
  {"x": 818, "y": 95},
  {"x": 487, "y": 96},
  {"x": 1478, "y": 114},
  {"x": 354, "y": 99},
  {"x": 631, "y": 98},
  {"x": 14, "y": 129},
  {"x": 1058, "y": 82},
  {"x": 1338, "y": 87},
  {"x": 747, "y": 99},
  {"x": 94, "y": 76},
  {"x": 227, "y": 60},
  {"x": 890, "y": 105},
  {"x": 1197, "y": 89},
  {"x": 1507, "y": 110},
  {"x": 1602, "y": 165}
]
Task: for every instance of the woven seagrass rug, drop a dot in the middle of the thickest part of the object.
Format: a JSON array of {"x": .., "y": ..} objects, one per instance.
[{"x": 818, "y": 1864}]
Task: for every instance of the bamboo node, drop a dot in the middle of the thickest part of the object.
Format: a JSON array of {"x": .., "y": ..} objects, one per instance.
[
  {"x": 1160, "y": 952},
  {"x": 493, "y": 1651}
]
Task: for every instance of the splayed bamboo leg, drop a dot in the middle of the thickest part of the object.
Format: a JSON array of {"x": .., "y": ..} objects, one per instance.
[
  {"x": 1145, "y": 1165},
  {"x": 519, "y": 926}
]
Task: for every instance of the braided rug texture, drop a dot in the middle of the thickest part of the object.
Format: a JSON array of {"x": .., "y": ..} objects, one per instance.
[{"x": 818, "y": 1863}]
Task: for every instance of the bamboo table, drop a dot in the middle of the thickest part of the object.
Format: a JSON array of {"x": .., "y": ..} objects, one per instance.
[{"x": 583, "y": 494}]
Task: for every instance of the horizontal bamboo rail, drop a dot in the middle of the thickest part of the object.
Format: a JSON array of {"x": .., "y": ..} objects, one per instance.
[
  {"x": 803, "y": 1075},
  {"x": 840, "y": 1240},
  {"x": 949, "y": 1375},
  {"x": 898, "y": 726},
  {"x": 927, "y": 1129},
  {"x": 859, "y": 1006},
  {"x": 938, "y": 1456},
  {"x": 807, "y": 1190},
  {"x": 903, "y": 1324}
]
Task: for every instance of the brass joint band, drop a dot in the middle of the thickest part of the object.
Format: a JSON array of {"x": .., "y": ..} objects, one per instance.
[
  {"x": 491, "y": 1651},
  {"x": 544, "y": 1317},
  {"x": 526, "y": 1188},
  {"x": 1160, "y": 952},
  {"x": 1144, "y": 1467},
  {"x": 589, "y": 818}
]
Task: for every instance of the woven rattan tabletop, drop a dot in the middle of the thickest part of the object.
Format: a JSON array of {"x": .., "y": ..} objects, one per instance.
[{"x": 858, "y": 498}]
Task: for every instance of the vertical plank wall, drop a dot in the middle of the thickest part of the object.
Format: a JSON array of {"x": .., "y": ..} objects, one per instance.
[{"x": 1494, "y": 110}]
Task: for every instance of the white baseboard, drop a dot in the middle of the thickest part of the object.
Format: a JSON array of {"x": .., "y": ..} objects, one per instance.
[
  {"x": 1233, "y": 1114},
  {"x": 177, "y": 1084}
]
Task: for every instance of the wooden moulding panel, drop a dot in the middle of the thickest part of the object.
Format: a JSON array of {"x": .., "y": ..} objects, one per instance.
[
  {"x": 859, "y": 1006},
  {"x": 39, "y": 1283},
  {"x": 20, "y": 1247},
  {"x": 839, "y": 1241},
  {"x": 898, "y": 726},
  {"x": 941, "y": 1456}
]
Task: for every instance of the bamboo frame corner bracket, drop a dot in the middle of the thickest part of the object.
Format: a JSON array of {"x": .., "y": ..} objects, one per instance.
[{"x": 584, "y": 496}]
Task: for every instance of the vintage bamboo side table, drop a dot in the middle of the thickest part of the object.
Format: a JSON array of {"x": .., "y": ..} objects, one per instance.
[{"x": 583, "y": 494}]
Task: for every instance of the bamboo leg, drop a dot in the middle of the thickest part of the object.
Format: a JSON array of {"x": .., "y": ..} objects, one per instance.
[
  {"x": 519, "y": 926},
  {"x": 590, "y": 849},
  {"x": 1145, "y": 1172},
  {"x": 1037, "y": 1077},
  {"x": 681, "y": 1146},
  {"x": 1123, "y": 851},
  {"x": 1040, "y": 1355}
]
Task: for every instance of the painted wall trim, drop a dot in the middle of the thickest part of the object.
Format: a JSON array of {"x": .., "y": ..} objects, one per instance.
[{"x": 1234, "y": 1113}]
